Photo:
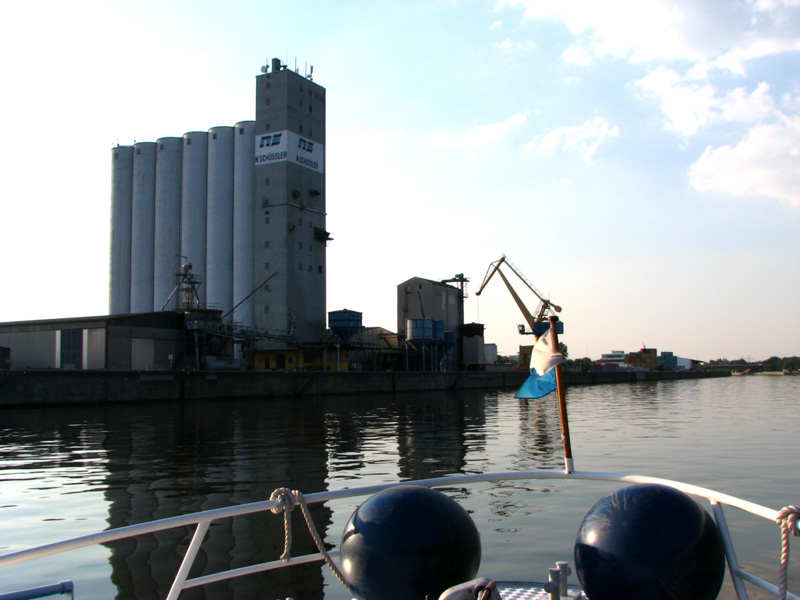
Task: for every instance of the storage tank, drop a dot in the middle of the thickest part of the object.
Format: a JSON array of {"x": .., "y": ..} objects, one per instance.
[
  {"x": 167, "y": 248},
  {"x": 419, "y": 330},
  {"x": 438, "y": 331},
  {"x": 219, "y": 218},
  {"x": 194, "y": 179},
  {"x": 119, "y": 288},
  {"x": 243, "y": 213},
  {"x": 143, "y": 226},
  {"x": 344, "y": 323}
]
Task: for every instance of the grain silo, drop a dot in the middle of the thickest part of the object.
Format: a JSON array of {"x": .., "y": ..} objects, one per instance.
[
  {"x": 243, "y": 207},
  {"x": 143, "y": 226},
  {"x": 119, "y": 289},
  {"x": 193, "y": 202},
  {"x": 167, "y": 243},
  {"x": 219, "y": 219}
]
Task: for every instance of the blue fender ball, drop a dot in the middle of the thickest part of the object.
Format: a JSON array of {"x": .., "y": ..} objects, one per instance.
[
  {"x": 649, "y": 541},
  {"x": 409, "y": 542}
]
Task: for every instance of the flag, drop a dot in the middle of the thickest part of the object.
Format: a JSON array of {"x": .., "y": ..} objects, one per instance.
[
  {"x": 544, "y": 360},
  {"x": 536, "y": 386}
]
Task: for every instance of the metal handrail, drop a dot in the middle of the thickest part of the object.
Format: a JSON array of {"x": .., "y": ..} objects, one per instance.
[
  {"x": 62, "y": 588},
  {"x": 203, "y": 519}
]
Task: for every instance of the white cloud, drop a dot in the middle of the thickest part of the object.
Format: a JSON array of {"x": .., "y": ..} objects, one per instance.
[
  {"x": 740, "y": 106},
  {"x": 721, "y": 32},
  {"x": 790, "y": 103},
  {"x": 689, "y": 105},
  {"x": 583, "y": 139},
  {"x": 620, "y": 28},
  {"x": 764, "y": 163},
  {"x": 577, "y": 55},
  {"x": 496, "y": 25},
  {"x": 478, "y": 137},
  {"x": 509, "y": 46}
]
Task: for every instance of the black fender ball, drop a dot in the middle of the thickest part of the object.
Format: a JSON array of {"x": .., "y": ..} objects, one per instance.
[
  {"x": 649, "y": 541},
  {"x": 408, "y": 542}
]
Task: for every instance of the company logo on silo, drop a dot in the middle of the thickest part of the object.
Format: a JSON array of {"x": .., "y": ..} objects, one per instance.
[
  {"x": 288, "y": 146},
  {"x": 270, "y": 140},
  {"x": 305, "y": 145}
]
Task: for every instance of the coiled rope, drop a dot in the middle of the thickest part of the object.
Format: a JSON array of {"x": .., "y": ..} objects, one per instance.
[
  {"x": 788, "y": 519},
  {"x": 287, "y": 499}
]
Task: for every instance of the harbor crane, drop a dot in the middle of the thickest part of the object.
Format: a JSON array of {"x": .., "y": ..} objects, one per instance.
[{"x": 538, "y": 323}]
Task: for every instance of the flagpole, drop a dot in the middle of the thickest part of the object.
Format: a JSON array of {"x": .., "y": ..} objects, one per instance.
[{"x": 562, "y": 400}]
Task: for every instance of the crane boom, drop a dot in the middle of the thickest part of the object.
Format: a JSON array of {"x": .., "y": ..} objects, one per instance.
[{"x": 545, "y": 304}]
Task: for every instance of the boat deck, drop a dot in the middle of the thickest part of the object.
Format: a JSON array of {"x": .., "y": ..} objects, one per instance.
[{"x": 517, "y": 590}]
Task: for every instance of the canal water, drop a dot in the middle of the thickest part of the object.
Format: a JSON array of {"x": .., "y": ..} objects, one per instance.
[{"x": 70, "y": 471}]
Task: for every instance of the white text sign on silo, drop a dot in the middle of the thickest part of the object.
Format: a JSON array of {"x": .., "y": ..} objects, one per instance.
[{"x": 284, "y": 145}]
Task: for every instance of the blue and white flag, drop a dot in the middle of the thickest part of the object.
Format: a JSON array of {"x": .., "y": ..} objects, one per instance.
[{"x": 544, "y": 360}]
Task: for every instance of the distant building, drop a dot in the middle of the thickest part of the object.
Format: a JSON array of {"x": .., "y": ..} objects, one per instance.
[
  {"x": 473, "y": 346},
  {"x": 667, "y": 361},
  {"x": 646, "y": 358},
  {"x": 615, "y": 357},
  {"x": 423, "y": 303},
  {"x": 689, "y": 363},
  {"x": 490, "y": 353}
]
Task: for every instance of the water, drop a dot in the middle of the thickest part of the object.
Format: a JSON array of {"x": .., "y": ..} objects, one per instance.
[{"x": 70, "y": 471}]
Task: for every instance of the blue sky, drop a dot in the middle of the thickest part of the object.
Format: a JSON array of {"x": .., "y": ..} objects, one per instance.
[{"x": 638, "y": 161}]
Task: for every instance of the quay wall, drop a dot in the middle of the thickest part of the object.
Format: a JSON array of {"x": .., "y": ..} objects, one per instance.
[{"x": 57, "y": 387}]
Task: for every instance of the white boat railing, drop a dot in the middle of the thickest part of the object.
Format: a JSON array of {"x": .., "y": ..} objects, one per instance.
[{"x": 202, "y": 521}]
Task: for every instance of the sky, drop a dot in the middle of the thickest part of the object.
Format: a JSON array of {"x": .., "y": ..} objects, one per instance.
[{"x": 637, "y": 160}]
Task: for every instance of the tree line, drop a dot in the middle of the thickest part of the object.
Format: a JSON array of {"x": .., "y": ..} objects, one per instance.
[{"x": 773, "y": 363}]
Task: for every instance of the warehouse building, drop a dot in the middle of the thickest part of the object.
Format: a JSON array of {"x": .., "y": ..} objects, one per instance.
[{"x": 124, "y": 342}]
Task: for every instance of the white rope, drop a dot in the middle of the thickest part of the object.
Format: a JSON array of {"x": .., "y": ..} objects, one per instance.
[
  {"x": 788, "y": 518},
  {"x": 288, "y": 499}
]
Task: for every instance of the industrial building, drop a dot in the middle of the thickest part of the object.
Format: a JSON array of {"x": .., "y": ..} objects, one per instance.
[
  {"x": 430, "y": 317},
  {"x": 243, "y": 205},
  {"x": 122, "y": 342},
  {"x": 218, "y": 260}
]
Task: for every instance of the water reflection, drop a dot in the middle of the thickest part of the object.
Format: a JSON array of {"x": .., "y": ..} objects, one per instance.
[
  {"x": 540, "y": 445},
  {"x": 90, "y": 467},
  {"x": 175, "y": 460}
]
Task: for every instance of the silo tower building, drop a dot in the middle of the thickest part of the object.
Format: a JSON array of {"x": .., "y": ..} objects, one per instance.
[
  {"x": 244, "y": 205},
  {"x": 289, "y": 227}
]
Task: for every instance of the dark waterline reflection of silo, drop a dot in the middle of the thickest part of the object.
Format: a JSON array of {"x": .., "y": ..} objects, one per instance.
[
  {"x": 432, "y": 433},
  {"x": 170, "y": 460}
]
